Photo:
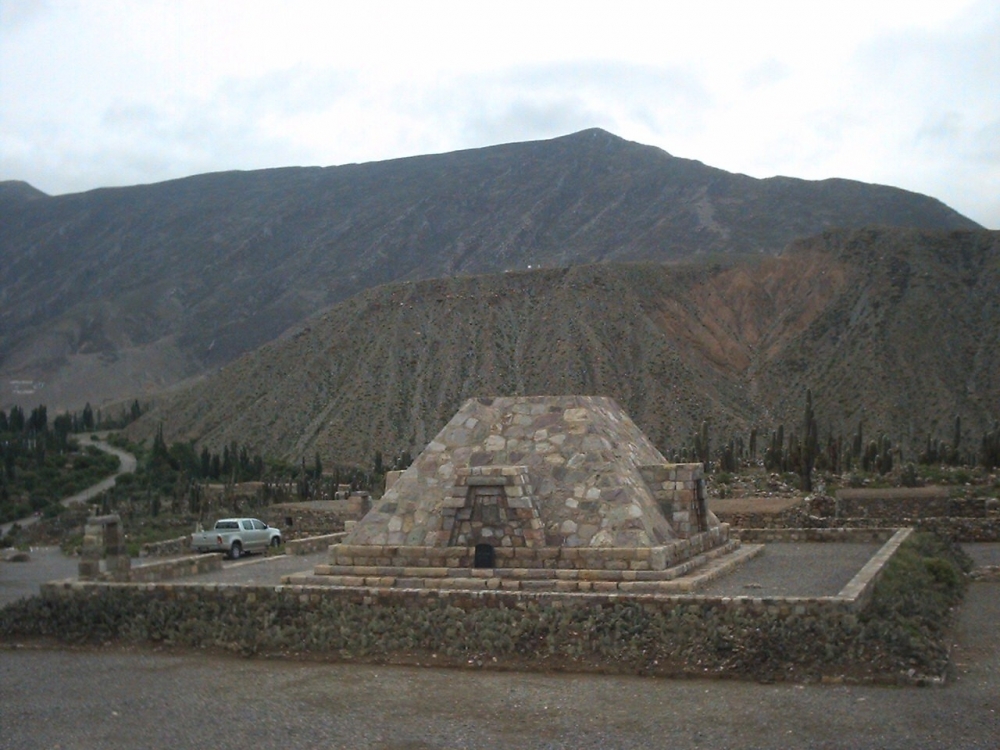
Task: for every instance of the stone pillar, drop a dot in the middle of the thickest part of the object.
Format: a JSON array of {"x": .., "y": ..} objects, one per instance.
[
  {"x": 391, "y": 478},
  {"x": 679, "y": 491},
  {"x": 103, "y": 539}
]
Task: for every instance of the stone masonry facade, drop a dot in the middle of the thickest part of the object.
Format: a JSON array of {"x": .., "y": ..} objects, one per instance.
[
  {"x": 578, "y": 462},
  {"x": 535, "y": 484}
]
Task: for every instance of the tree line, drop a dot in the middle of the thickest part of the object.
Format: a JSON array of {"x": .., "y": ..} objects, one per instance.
[{"x": 801, "y": 451}]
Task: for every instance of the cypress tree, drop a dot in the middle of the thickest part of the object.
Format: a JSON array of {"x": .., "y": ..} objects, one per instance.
[
  {"x": 16, "y": 421},
  {"x": 87, "y": 419},
  {"x": 205, "y": 462}
]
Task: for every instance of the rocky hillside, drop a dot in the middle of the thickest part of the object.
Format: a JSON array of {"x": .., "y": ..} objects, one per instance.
[
  {"x": 118, "y": 292},
  {"x": 899, "y": 327}
]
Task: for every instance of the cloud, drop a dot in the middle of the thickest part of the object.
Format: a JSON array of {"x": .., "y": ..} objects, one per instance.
[
  {"x": 766, "y": 73},
  {"x": 18, "y": 13},
  {"x": 102, "y": 93},
  {"x": 549, "y": 100},
  {"x": 935, "y": 92}
]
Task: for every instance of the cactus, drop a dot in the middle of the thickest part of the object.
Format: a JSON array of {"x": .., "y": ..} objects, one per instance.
[
  {"x": 989, "y": 453},
  {"x": 882, "y": 455},
  {"x": 727, "y": 461},
  {"x": 857, "y": 446},
  {"x": 810, "y": 444},
  {"x": 702, "y": 446},
  {"x": 956, "y": 442},
  {"x": 773, "y": 457}
]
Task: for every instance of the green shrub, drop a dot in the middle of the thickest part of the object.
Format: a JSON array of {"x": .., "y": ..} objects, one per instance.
[
  {"x": 53, "y": 510},
  {"x": 921, "y": 583}
]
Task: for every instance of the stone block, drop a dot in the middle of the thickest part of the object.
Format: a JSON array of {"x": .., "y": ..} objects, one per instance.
[{"x": 89, "y": 569}]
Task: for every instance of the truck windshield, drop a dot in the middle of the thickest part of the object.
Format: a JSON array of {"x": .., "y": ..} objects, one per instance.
[{"x": 224, "y": 525}]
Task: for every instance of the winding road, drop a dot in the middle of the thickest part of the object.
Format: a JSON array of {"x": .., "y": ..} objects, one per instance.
[{"x": 96, "y": 439}]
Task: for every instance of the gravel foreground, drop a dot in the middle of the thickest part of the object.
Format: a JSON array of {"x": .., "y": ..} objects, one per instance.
[{"x": 135, "y": 698}]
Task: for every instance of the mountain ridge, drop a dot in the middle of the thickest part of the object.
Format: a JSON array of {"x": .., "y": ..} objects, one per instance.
[{"x": 120, "y": 292}]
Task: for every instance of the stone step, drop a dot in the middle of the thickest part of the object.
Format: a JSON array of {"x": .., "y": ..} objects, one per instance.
[
  {"x": 686, "y": 577},
  {"x": 534, "y": 574},
  {"x": 699, "y": 577}
]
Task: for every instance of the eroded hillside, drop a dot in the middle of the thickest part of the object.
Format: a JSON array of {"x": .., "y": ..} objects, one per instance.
[{"x": 899, "y": 327}]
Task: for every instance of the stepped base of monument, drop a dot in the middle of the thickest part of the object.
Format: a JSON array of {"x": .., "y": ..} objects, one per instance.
[{"x": 687, "y": 576}]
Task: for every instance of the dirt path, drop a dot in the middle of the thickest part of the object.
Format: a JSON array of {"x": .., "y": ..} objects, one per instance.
[{"x": 127, "y": 466}]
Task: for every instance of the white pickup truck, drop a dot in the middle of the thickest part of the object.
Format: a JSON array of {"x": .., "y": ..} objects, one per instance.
[{"x": 235, "y": 536}]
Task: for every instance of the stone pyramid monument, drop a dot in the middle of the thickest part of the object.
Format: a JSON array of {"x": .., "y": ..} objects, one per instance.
[{"x": 533, "y": 484}]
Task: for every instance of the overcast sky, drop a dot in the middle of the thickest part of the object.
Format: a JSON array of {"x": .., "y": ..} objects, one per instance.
[{"x": 97, "y": 92}]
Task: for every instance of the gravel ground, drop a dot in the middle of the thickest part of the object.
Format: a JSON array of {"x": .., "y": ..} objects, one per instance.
[
  {"x": 22, "y": 579},
  {"x": 117, "y": 698},
  {"x": 135, "y": 698},
  {"x": 795, "y": 570},
  {"x": 50, "y": 564}
]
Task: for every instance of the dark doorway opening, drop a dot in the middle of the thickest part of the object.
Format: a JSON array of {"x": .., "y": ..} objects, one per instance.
[{"x": 485, "y": 556}]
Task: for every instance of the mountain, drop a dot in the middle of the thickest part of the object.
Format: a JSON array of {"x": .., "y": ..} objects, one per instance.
[
  {"x": 119, "y": 292},
  {"x": 900, "y": 328},
  {"x": 13, "y": 192}
]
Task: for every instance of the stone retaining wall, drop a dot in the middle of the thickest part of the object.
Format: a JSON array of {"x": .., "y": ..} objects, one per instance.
[
  {"x": 765, "y": 638},
  {"x": 896, "y": 504},
  {"x": 771, "y": 638},
  {"x": 794, "y": 517},
  {"x": 314, "y": 519}
]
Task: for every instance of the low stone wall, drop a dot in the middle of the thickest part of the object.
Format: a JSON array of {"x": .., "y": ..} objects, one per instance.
[
  {"x": 305, "y": 545},
  {"x": 854, "y": 536},
  {"x": 962, "y": 529},
  {"x": 178, "y": 568},
  {"x": 859, "y": 589},
  {"x": 315, "y": 518},
  {"x": 794, "y": 517},
  {"x": 177, "y": 546},
  {"x": 895, "y": 504},
  {"x": 959, "y": 529},
  {"x": 311, "y": 544}
]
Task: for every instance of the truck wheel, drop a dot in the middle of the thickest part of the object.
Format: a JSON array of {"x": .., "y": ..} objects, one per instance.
[
  {"x": 235, "y": 551},
  {"x": 276, "y": 542}
]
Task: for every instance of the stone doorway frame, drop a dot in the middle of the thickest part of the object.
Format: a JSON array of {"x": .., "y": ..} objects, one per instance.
[{"x": 520, "y": 525}]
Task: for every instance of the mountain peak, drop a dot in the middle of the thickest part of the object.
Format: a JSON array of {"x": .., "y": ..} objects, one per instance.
[{"x": 19, "y": 190}]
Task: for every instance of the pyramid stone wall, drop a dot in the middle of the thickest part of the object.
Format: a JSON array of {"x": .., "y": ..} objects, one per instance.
[{"x": 537, "y": 478}]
